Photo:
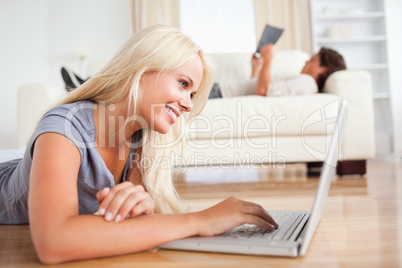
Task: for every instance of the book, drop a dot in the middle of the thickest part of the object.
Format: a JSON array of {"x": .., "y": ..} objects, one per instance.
[{"x": 270, "y": 35}]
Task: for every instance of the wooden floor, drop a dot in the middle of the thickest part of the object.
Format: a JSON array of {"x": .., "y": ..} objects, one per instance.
[{"x": 361, "y": 225}]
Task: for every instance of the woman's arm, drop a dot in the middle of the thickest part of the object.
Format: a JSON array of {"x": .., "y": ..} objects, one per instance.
[
  {"x": 60, "y": 234},
  {"x": 264, "y": 78}
]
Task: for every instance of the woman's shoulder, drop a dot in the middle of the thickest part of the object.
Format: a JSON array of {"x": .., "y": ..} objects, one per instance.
[
  {"x": 77, "y": 114},
  {"x": 71, "y": 109},
  {"x": 73, "y": 120}
]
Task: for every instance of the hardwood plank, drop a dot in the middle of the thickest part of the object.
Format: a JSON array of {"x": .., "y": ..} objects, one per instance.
[{"x": 361, "y": 225}]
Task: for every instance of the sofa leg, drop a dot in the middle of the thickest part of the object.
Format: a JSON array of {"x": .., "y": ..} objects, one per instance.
[
  {"x": 354, "y": 167},
  {"x": 314, "y": 169}
]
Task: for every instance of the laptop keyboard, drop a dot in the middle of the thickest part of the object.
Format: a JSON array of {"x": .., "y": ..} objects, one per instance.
[{"x": 287, "y": 221}]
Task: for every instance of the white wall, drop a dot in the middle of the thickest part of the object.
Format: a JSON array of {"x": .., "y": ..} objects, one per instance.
[
  {"x": 24, "y": 54},
  {"x": 38, "y": 37},
  {"x": 101, "y": 26},
  {"x": 216, "y": 28}
]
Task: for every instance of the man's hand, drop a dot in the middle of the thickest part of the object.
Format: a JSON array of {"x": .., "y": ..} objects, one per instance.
[
  {"x": 264, "y": 78},
  {"x": 268, "y": 52},
  {"x": 256, "y": 63}
]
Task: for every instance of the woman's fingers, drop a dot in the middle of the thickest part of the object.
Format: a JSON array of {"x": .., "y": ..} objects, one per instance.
[
  {"x": 135, "y": 204},
  {"x": 260, "y": 212},
  {"x": 115, "y": 190},
  {"x": 124, "y": 200},
  {"x": 105, "y": 196},
  {"x": 233, "y": 212},
  {"x": 100, "y": 195}
]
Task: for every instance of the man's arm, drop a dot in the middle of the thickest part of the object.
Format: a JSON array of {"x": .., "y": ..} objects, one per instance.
[{"x": 264, "y": 78}]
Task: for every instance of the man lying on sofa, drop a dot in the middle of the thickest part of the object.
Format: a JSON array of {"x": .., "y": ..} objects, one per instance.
[{"x": 311, "y": 80}]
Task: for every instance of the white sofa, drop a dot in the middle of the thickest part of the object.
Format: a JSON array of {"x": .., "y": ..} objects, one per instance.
[{"x": 257, "y": 129}]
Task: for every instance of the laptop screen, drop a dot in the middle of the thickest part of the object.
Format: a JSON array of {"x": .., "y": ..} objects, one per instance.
[{"x": 327, "y": 173}]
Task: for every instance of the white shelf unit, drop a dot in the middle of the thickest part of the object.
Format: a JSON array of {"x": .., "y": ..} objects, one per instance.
[
  {"x": 357, "y": 29},
  {"x": 366, "y": 39},
  {"x": 352, "y": 15}
]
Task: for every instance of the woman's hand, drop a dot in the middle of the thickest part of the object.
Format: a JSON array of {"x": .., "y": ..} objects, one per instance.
[
  {"x": 125, "y": 200},
  {"x": 230, "y": 213}
]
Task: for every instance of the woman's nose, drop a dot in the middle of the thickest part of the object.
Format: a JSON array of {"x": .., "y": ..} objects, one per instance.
[{"x": 186, "y": 103}]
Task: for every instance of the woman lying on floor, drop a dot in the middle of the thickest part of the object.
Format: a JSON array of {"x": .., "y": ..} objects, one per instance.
[{"x": 86, "y": 156}]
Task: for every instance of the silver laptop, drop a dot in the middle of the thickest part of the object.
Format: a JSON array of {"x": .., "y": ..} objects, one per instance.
[{"x": 296, "y": 228}]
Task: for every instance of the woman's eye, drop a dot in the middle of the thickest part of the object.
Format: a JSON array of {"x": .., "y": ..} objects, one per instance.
[
  {"x": 192, "y": 95},
  {"x": 183, "y": 83}
]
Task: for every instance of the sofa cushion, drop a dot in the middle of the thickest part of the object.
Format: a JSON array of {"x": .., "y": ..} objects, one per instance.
[{"x": 256, "y": 116}]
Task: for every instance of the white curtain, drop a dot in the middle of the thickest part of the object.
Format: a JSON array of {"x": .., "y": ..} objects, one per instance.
[
  {"x": 292, "y": 15},
  {"x": 148, "y": 12}
]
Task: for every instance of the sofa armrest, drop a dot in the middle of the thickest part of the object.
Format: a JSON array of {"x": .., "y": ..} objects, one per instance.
[
  {"x": 33, "y": 101},
  {"x": 355, "y": 87}
]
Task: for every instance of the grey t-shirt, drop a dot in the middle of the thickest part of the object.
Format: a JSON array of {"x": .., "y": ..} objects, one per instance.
[{"x": 76, "y": 122}]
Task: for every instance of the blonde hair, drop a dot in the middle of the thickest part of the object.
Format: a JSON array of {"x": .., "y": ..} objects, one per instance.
[{"x": 157, "y": 48}]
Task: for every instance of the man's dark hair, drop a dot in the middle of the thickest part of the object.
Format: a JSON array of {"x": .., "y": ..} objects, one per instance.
[{"x": 333, "y": 61}]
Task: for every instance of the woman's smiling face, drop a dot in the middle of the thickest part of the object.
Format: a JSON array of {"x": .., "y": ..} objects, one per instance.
[{"x": 165, "y": 96}]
